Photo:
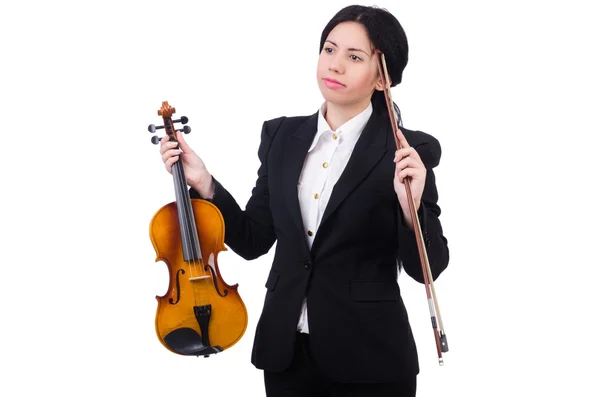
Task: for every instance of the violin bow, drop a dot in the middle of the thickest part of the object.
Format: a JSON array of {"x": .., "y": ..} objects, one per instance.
[{"x": 440, "y": 335}]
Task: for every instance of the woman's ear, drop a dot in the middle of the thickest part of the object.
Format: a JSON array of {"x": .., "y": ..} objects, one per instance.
[{"x": 379, "y": 86}]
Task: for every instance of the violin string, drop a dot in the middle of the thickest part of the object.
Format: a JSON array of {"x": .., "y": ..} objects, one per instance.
[
  {"x": 197, "y": 271},
  {"x": 190, "y": 226},
  {"x": 183, "y": 200},
  {"x": 198, "y": 259}
]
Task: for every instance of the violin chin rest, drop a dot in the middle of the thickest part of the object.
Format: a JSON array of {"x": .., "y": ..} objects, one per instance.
[{"x": 188, "y": 342}]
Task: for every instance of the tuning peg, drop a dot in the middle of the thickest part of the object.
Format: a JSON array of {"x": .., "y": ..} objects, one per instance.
[
  {"x": 152, "y": 128},
  {"x": 185, "y": 130},
  {"x": 155, "y": 140},
  {"x": 182, "y": 120}
]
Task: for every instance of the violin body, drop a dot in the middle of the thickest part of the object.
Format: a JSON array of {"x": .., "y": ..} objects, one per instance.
[
  {"x": 228, "y": 317},
  {"x": 199, "y": 314}
]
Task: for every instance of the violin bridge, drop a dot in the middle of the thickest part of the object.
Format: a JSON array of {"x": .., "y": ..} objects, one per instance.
[{"x": 199, "y": 278}]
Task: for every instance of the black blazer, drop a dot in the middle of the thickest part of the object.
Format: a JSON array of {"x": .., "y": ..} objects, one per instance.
[{"x": 359, "y": 329}]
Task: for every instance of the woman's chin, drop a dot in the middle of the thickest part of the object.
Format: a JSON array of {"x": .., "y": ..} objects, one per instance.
[{"x": 334, "y": 97}]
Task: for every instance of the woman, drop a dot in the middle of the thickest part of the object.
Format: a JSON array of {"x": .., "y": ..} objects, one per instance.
[{"x": 330, "y": 192}]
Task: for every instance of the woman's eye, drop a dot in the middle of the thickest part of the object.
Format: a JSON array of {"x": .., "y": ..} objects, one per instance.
[
  {"x": 328, "y": 49},
  {"x": 355, "y": 58}
]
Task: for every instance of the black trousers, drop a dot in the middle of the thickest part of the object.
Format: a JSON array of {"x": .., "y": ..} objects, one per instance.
[{"x": 302, "y": 379}]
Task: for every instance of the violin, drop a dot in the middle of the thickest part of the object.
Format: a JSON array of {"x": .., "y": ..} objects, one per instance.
[{"x": 200, "y": 314}]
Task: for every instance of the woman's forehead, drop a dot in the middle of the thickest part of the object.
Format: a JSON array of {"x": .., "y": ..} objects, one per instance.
[{"x": 350, "y": 35}]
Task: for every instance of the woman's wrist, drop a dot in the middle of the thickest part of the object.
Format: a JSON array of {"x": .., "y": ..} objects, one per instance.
[{"x": 207, "y": 189}]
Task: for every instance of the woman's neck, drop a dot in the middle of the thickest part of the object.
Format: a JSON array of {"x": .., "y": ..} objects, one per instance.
[{"x": 336, "y": 115}]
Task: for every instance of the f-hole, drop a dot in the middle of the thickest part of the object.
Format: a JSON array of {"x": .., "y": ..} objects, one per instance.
[
  {"x": 214, "y": 277},
  {"x": 178, "y": 287}
]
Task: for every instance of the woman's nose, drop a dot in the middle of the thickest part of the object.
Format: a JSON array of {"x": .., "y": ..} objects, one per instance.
[{"x": 335, "y": 65}]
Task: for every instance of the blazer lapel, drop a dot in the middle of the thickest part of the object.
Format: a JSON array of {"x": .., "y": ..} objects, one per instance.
[
  {"x": 369, "y": 150},
  {"x": 296, "y": 152}
]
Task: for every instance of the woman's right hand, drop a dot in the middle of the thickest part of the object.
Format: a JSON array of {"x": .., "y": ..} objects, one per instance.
[{"x": 196, "y": 174}]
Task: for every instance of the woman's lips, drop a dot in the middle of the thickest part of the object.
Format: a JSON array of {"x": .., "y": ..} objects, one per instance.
[{"x": 331, "y": 83}]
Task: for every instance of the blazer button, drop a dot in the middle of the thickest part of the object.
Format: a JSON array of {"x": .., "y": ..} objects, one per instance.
[{"x": 307, "y": 264}]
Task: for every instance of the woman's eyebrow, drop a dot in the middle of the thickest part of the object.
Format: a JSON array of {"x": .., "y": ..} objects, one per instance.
[{"x": 349, "y": 49}]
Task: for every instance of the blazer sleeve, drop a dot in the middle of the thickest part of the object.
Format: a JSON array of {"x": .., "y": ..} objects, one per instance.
[
  {"x": 249, "y": 232},
  {"x": 436, "y": 243}
]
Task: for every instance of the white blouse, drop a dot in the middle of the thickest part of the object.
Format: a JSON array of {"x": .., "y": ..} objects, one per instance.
[{"x": 325, "y": 161}]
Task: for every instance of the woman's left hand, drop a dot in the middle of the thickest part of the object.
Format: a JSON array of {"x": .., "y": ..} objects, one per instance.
[{"x": 408, "y": 164}]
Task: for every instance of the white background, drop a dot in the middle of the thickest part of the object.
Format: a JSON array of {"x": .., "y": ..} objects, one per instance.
[{"x": 509, "y": 88}]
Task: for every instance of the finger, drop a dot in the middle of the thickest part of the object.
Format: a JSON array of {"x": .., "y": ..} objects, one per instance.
[
  {"x": 414, "y": 162},
  {"x": 405, "y": 152},
  {"x": 400, "y": 154},
  {"x": 403, "y": 141},
  {"x": 409, "y": 172},
  {"x": 407, "y": 162},
  {"x": 170, "y": 154},
  {"x": 169, "y": 163},
  {"x": 166, "y": 145}
]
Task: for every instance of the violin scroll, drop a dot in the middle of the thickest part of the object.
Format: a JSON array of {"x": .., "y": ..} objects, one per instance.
[{"x": 166, "y": 111}]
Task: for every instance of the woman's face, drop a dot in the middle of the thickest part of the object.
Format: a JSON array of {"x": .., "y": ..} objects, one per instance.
[{"x": 347, "y": 67}]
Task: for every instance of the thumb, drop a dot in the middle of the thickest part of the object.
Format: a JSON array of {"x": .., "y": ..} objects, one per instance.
[
  {"x": 183, "y": 144},
  {"x": 402, "y": 139}
]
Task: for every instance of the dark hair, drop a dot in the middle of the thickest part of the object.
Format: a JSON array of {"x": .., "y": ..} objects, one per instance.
[{"x": 386, "y": 34}]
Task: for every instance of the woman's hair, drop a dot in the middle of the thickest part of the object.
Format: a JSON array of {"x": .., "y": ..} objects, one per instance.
[{"x": 385, "y": 33}]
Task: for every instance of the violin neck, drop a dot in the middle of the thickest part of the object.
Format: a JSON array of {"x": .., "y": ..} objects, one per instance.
[{"x": 187, "y": 222}]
